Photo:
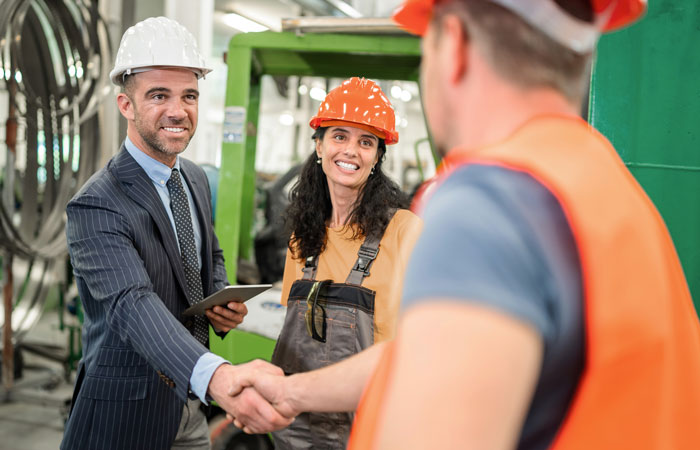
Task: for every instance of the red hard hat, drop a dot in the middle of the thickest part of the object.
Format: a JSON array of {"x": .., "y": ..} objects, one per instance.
[
  {"x": 414, "y": 16},
  {"x": 360, "y": 103}
]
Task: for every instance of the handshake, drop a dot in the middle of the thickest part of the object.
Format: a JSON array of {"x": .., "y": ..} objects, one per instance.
[{"x": 254, "y": 395}]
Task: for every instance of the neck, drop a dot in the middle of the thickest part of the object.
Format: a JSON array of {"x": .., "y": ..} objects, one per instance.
[{"x": 343, "y": 201}]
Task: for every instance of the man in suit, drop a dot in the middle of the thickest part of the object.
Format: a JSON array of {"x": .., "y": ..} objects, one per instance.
[{"x": 143, "y": 249}]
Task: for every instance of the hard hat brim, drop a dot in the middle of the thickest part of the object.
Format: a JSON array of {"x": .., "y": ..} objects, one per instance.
[
  {"x": 414, "y": 16},
  {"x": 117, "y": 74}
]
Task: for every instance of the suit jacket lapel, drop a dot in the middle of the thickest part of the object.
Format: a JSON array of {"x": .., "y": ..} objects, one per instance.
[{"x": 140, "y": 189}]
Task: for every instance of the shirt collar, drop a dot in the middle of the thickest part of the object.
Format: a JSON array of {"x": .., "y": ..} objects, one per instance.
[{"x": 156, "y": 170}]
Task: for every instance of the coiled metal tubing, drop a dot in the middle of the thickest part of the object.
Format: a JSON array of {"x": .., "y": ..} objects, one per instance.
[{"x": 55, "y": 56}]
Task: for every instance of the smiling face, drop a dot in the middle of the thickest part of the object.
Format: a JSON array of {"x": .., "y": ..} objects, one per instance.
[
  {"x": 347, "y": 157},
  {"x": 161, "y": 108}
]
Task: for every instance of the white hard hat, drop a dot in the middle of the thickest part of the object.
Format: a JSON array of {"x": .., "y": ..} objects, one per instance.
[{"x": 157, "y": 42}]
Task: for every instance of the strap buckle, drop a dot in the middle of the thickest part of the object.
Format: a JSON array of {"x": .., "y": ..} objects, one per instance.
[{"x": 365, "y": 256}]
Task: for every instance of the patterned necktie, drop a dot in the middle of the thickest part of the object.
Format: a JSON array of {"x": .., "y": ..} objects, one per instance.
[{"x": 188, "y": 250}]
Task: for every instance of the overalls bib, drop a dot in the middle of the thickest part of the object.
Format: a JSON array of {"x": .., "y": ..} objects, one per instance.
[{"x": 343, "y": 317}]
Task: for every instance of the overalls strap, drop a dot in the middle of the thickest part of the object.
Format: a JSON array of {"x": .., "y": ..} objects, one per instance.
[
  {"x": 365, "y": 257},
  {"x": 310, "y": 268}
]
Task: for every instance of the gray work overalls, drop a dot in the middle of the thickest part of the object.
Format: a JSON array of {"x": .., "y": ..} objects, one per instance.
[{"x": 344, "y": 316}]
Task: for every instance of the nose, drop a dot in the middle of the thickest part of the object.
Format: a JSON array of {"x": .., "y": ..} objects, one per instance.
[
  {"x": 176, "y": 110},
  {"x": 351, "y": 148}
]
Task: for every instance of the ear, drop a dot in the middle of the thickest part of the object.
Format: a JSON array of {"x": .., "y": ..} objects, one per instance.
[
  {"x": 125, "y": 105},
  {"x": 454, "y": 43},
  {"x": 319, "y": 153}
]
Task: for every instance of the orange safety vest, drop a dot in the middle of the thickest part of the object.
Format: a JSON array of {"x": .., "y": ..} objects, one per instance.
[{"x": 640, "y": 387}]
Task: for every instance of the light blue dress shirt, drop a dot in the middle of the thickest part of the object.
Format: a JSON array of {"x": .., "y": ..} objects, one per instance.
[{"x": 159, "y": 173}]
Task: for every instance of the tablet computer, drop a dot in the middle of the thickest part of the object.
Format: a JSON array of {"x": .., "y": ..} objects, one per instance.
[{"x": 239, "y": 293}]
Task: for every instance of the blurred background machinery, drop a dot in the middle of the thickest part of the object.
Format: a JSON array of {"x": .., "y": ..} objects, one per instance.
[{"x": 53, "y": 59}]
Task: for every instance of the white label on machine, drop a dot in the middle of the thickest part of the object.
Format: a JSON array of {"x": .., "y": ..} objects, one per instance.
[{"x": 234, "y": 122}]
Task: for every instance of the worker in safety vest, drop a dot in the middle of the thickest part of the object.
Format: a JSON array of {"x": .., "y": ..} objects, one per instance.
[{"x": 544, "y": 303}]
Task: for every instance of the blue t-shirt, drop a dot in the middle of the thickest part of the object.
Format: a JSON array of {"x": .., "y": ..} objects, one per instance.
[{"x": 498, "y": 237}]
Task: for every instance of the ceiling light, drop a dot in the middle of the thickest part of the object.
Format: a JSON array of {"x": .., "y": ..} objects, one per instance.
[
  {"x": 406, "y": 96},
  {"x": 345, "y": 8},
  {"x": 396, "y": 91},
  {"x": 317, "y": 94},
  {"x": 286, "y": 119},
  {"x": 241, "y": 23},
  {"x": 303, "y": 90}
]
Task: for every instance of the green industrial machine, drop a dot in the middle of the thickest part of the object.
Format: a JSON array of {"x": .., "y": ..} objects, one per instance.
[
  {"x": 250, "y": 56},
  {"x": 645, "y": 98}
]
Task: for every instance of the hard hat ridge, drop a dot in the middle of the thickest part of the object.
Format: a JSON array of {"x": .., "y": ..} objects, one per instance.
[{"x": 157, "y": 42}]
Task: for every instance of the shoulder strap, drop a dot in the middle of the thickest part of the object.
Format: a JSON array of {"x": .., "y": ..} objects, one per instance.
[
  {"x": 310, "y": 268},
  {"x": 365, "y": 257}
]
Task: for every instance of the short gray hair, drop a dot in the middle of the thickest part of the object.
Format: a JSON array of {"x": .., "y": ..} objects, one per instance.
[{"x": 518, "y": 52}]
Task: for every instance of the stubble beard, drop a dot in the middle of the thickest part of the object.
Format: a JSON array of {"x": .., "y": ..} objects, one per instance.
[{"x": 150, "y": 136}]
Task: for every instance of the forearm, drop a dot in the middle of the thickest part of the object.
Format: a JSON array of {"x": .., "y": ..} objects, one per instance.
[{"x": 336, "y": 388}]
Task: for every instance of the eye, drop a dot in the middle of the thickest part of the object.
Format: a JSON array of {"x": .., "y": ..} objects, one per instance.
[
  {"x": 339, "y": 137},
  {"x": 158, "y": 97},
  {"x": 367, "y": 143},
  {"x": 191, "y": 98}
]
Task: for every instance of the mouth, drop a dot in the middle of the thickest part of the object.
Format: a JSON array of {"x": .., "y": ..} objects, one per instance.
[
  {"x": 175, "y": 129},
  {"x": 346, "y": 166}
]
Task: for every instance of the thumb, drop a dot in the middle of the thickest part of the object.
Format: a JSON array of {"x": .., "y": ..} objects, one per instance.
[{"x": 241, "y": 380}]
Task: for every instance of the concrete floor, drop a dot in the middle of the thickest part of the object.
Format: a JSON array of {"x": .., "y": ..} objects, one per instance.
[{"x": 33, "y": 414}]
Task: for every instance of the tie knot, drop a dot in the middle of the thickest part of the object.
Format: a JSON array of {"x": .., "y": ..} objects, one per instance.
[{"x": 174, "y": 180}]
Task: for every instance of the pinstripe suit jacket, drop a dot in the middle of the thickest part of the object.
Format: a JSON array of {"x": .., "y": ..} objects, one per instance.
[{"x": 138, "y": 355}]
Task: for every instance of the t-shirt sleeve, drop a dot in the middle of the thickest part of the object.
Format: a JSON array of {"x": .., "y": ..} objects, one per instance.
[
  {"x": 290, "y": 276},
  {"x": 476, "y": 247}
]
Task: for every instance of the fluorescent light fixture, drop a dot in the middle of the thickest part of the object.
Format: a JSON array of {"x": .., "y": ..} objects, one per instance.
[
  {"x": 345, "y": 8},
  {"x": 286, "y": 119},
  {"x": 241, "y": 23},
  {"x": 317, "y": 94},
  {"x": 18, "y": 76}
]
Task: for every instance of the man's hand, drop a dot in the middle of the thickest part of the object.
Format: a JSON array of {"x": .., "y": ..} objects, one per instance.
[
  {"x": 224, "y": 319},
  {"x": 274, "y": 389},
  {"x": 248, "y": 407}
]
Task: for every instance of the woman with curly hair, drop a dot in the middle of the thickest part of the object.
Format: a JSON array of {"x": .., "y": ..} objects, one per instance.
[{"x": 351, "y": 237}]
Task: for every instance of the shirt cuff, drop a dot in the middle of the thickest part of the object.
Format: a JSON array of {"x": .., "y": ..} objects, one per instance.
[{"x": 202, "y": 373}]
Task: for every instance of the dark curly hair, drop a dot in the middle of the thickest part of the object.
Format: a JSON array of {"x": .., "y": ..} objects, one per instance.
[{"x": 310, "y": 205}]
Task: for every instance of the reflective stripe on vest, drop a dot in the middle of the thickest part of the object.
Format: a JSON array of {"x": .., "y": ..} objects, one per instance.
[{"x": 640, "y": 388}]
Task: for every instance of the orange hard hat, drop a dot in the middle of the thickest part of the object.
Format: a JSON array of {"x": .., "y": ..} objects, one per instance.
[
  {"x": 359, "y": 103},
  {"x": 414, "y": 16}
]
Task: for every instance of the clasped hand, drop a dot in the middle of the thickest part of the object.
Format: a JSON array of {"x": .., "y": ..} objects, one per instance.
[{"x": 253, "y": 396}]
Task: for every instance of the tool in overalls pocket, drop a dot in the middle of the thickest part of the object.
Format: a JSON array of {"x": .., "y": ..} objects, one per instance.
[{"x": 315, "y": 311}]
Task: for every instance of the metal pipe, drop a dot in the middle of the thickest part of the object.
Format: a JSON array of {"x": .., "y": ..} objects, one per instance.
[
  {"x": 8, "y": 354},
  {"x": 8, "y": 370}
]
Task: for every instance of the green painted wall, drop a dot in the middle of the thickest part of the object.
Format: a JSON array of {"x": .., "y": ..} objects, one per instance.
[{"x": 645, "y": 97}]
